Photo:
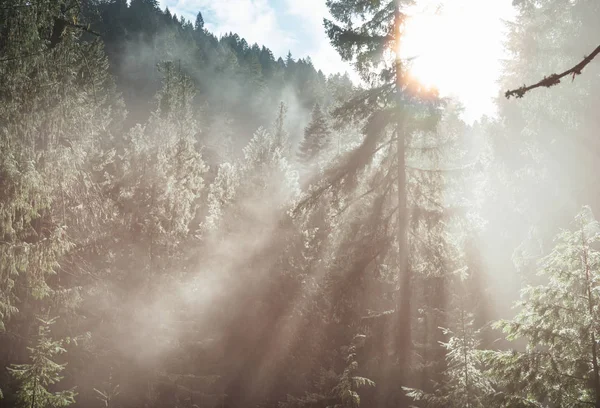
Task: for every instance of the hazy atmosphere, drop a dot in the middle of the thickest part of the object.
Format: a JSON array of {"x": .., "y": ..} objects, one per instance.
[{"x": 299, "y": 204}]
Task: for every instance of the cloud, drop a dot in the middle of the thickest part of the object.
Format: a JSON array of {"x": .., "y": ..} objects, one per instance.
[
  {"x": 311, "y": 13},
  {"x": 254, "y": 20},
  {"x": 281, "y": 25}
]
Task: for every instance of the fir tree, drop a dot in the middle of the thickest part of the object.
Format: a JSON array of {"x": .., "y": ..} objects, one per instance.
[
  {"x": 344, "y": 393},
  {"x": 109, "y": 392},
  {"x": 547, "y": 127},
  {"x": 51, "y": 137},
  {"x": 163, "y": 169}
]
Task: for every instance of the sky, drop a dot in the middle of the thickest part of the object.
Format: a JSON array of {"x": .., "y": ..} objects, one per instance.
[{"x": 458, "y": 45}]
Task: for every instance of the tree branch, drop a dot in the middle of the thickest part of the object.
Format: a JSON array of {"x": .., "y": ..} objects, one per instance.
[{"x": 554, "y": 79}]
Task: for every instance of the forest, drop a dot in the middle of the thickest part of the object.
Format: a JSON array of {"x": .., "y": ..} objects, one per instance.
[{"x": 190, "y": 221}]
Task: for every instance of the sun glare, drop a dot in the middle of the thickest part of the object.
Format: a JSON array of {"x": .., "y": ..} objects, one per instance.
[
  {"x": 446, "y": 48},
  {"x": 427, "y": 56}
]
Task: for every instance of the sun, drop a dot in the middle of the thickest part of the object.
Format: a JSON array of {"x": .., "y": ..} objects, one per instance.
[
  {"x": 427, "y": 46},
  {"x": 446, "y": 48}
]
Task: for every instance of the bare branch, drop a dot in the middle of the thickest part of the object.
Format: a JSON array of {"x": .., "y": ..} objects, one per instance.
[{"x": 554, "y": 79}]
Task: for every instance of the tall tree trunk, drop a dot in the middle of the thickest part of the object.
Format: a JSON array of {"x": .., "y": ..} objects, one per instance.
[{"x": 403, "y": 302}]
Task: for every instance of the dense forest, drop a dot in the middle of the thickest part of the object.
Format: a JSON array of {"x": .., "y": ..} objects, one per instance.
[{"x": 187, "y": 220}]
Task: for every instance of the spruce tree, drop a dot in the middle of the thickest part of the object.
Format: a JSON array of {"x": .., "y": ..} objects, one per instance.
[
  {"x": 417, "y": 140},
  {"x": 161, "y": 174}
]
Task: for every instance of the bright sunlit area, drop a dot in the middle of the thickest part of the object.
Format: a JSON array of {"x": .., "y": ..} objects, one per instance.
[
  {"x": 457, "y": 47},
  {"x": 246, "y": 204}
]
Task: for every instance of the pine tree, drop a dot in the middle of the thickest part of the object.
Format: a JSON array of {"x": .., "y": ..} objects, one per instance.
[
  {"x": 35, "y": 378},
  {"x": 558, "y": 321},
  {"x": 109, "y": 392},
  {"x": 31, "y": 241},
  {"x": 98, "y": 221},
  {"x": 267, "y": 62},
  {"x": 157, "y": 187},
  {"x": 289, "y": 61}
]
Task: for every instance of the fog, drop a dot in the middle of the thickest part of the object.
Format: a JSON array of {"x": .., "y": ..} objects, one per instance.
[{"x": 191, "y": 221}]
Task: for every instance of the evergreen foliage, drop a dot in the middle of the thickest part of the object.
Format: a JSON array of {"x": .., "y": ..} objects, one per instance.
[
  {"x": 35, "y": 378},
  {"x": 140, "y": 35},
  {"x": 316, "y": 137},
  {"x": 556, "y": 319},
  {"x": 150, "y": 196},
  {"x": 409, "y": 139},
  {"x": 465, "y": 382}
]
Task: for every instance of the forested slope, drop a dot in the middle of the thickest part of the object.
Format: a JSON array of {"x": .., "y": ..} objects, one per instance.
[{"x": 237, "y": 83}]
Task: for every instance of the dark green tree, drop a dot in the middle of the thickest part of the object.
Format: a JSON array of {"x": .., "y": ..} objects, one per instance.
[{"x": 199, "y": 23}]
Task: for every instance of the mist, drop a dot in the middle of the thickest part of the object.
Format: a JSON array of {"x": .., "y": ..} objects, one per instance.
[{"x": 188, "y": 220}]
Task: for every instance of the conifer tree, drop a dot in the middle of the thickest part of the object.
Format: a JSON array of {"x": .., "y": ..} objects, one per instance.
[
  {"x": 263, "y": 171},
  {"x": 343, "y": 393},
  {"x": 157, "y": 187},
  {"x": 163, "y": 169},
  {"x": 465, "y": 384},
  {"x": 546, "y": 128},
  {"x": 35, "y": 378},
  {"x": 108, "y": 393},
  {"x": 415, "y": 138},
  {"x": 95, "y": 220},
  {"x": 49, "y": 137},
  {"x": 316, "y": 137},
  {"x": 364, "y": 33},
  {"x": 558, "y": 321},
  {"x": 280, "y": 135}
]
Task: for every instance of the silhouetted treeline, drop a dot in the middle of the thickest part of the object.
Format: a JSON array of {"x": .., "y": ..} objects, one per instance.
[{"x": 235, "y": 81}]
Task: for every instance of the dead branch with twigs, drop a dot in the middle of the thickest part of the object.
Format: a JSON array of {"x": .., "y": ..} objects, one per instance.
[{"x": 554, "y": 79}]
